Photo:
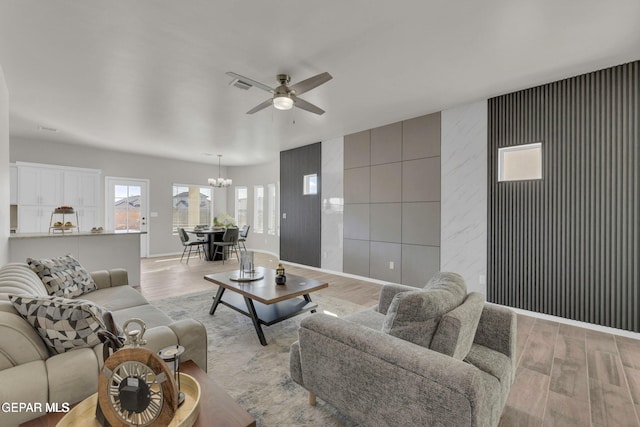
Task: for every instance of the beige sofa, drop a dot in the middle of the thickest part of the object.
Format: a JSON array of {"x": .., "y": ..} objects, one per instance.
[{"x": 30, "y": 374}]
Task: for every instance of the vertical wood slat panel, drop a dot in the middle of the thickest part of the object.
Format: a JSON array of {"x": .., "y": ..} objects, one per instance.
[{"x": 567, "y": 245}]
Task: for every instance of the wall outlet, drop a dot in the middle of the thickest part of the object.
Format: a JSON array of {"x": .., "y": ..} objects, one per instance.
[
  {"x": 482, "y": 279},
  {"x": 392, "y": 265},
  {"x": 154, "y": 214}
]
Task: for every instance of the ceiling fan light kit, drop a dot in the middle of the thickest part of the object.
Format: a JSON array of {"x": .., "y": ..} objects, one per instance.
[
  {"x": 220, "y": 182},
  {"x": 283, "y": 102},
  {"x": 284, "y": 97}
]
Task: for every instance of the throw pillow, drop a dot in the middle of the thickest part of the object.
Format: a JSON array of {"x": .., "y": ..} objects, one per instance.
[
  {"x": 62, "y": 323},
  {"x": 457, "y": 329},
  {"x": 414, "y": 315},
  {"x": 63, "y": 276}
]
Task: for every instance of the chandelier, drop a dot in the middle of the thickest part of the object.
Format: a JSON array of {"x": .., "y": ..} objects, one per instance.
[{"x": 219, "y": 182}]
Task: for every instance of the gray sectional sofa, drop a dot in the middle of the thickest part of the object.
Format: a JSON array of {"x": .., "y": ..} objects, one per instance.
[
  {"x": 422, "y": 357},
  {"x": 29, "y": 372}
]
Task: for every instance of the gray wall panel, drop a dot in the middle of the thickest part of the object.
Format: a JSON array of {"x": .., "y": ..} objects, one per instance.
[
  {"x": 386, "y": 144},
  {"x": 386, "y": 183},
  {"x": 421, "y": 223},
  {"x": 386, "y": 222},
  {"x": 421, "y": 137},
  {"x": 357, "y": 149},
  {"x": 381, "y": 193},
  {"x": 381, "y": 254},
  {"x": 356, "y": 257},
  {"x": 356, "y": 185},
  {"x": 421, "y": 180},
  {"x": 567, "y": 245},
  {"x": 356, "y": 221},
  {"x": 419, "y": 264}
]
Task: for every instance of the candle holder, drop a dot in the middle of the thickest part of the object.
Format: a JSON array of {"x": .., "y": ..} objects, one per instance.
[
  {"x": 171, "y": 356},
  {"x": 281, "y": 279}
]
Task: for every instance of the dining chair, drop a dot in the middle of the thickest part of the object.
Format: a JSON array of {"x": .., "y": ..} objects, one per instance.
[
  {"x": 242, "y": 236},
  {"x": 189, "y": 244},
  {"x": 229, "y": 243}
]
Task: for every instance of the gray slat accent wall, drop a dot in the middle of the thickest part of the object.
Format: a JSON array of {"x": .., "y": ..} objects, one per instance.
[{"x": 567, "y": 245}]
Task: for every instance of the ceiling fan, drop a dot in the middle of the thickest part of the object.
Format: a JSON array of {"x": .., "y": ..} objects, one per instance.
[{"x": 284, "y": 96}]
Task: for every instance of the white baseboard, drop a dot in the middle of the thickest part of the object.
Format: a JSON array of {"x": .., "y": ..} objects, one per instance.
[{"x": 591, "y": 326}]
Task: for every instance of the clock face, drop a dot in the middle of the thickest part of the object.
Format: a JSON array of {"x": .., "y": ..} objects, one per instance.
[
  {"x": 136, "y": 388},
  {"x": 135, "y": 392}
]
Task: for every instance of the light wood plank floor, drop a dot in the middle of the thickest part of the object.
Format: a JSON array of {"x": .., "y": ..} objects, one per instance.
[{"x": 566, "y": 376}]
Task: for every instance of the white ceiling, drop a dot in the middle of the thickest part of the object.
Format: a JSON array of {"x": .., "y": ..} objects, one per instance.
[{"x": 148, "y": 76}]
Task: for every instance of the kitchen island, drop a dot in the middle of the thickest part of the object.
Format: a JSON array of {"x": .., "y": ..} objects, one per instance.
[{"x": 95, "y": 251}]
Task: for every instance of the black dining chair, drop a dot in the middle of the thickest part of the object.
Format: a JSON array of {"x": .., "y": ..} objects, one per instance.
[
  {"x": 229, "y": 243},
  {"x": 189, "y": 244},
  {"x": 242, "y": 236}
]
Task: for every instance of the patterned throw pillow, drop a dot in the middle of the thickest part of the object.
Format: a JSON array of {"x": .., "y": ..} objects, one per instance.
[
  {"x": 63, "y": 276},
  {"x": 62, "y": 323}
]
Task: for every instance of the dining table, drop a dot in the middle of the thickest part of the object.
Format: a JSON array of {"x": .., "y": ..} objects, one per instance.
[{"x": 212, "y": 235}]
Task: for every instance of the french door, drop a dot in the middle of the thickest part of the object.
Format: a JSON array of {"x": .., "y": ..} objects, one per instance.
[{"x": 127, "y": 208}]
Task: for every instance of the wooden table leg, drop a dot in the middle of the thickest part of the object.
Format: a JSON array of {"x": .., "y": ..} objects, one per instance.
[
  {"x": 216, "y": 300},
  {"x": 307, "y": 298},
  {"x": 254, "y": 318},
  {"x": 312, "y": 398}
]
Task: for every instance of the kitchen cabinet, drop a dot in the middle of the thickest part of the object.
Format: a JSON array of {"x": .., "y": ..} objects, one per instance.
[
  {"x": 39, "y": 185},
  {"x": 81, "y": 188},
  {"x": 41, "y": 188}
]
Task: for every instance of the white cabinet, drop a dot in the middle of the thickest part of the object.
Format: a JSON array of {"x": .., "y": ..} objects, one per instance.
[
  {"x": 81, "y": 188},
  {"x": 34, "y": 218},
  {"x": 13, "y": 181},
  {"x": 39, "y": 186},
  {"x": 87, "y": 218},
  {"x": 42, "y": 188}
]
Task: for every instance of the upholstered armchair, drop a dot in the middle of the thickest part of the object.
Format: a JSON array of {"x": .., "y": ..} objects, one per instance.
[{"x": 432, "y": 356}]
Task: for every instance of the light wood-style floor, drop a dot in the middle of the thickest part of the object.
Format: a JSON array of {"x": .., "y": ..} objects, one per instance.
[{"x": 566, "y": 376}]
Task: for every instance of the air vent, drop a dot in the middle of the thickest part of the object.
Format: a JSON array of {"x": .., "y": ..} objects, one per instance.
[
  {"x": 47, "y": 129},
  {"x": 241, "y": 84}
]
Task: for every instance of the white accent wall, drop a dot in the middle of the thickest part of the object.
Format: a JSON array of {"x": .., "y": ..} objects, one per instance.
[
  {"x": 4, "y": 170},
  {"x": 332, "y": 204},
  {"x": 464, "y": 193}
]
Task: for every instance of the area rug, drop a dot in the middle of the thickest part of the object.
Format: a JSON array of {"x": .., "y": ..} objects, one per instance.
[{"x": 257, "y": 377}]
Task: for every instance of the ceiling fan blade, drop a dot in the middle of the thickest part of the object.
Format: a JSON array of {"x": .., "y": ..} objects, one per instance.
[
  {"x": 262, "y": 106},
  {"x": 250, "y": 81},
  {"x": 307, "y": 106},
  {"x": 310, "y": 83}
]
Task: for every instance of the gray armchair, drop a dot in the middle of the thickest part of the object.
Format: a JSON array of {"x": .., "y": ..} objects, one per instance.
[{"x": 457, "y": 371}]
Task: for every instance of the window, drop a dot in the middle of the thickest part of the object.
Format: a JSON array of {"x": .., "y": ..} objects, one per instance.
[
  {"x": 310, "y": 184},
  {"x": 192, "y": 205},
  {"x": 273, "y": 209},
  {"x": 258, "y": 208},
  {"x": 521, "y": 162},
  {"x": 241, "y": 206}
]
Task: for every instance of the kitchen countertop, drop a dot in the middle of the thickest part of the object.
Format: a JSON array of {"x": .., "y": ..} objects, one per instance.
[{"x": 70, "y": 234}]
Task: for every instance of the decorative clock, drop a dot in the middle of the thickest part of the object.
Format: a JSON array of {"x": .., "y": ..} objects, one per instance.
[{"x": 137, "y": 388}]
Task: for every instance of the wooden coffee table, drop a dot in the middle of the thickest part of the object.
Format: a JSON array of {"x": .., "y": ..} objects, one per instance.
[
  {"x": 217, "y": 408},
  {"x": 264, "y": 302}
]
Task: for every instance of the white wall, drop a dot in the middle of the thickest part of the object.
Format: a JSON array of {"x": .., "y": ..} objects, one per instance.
[
  {"x": 332, "y": 204},
  {"x": 464, "y": 194},
  {"x": 4, "y": 170},
  {"x": 161, "y": 173},
  {"x": 249, "y": 176}
]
